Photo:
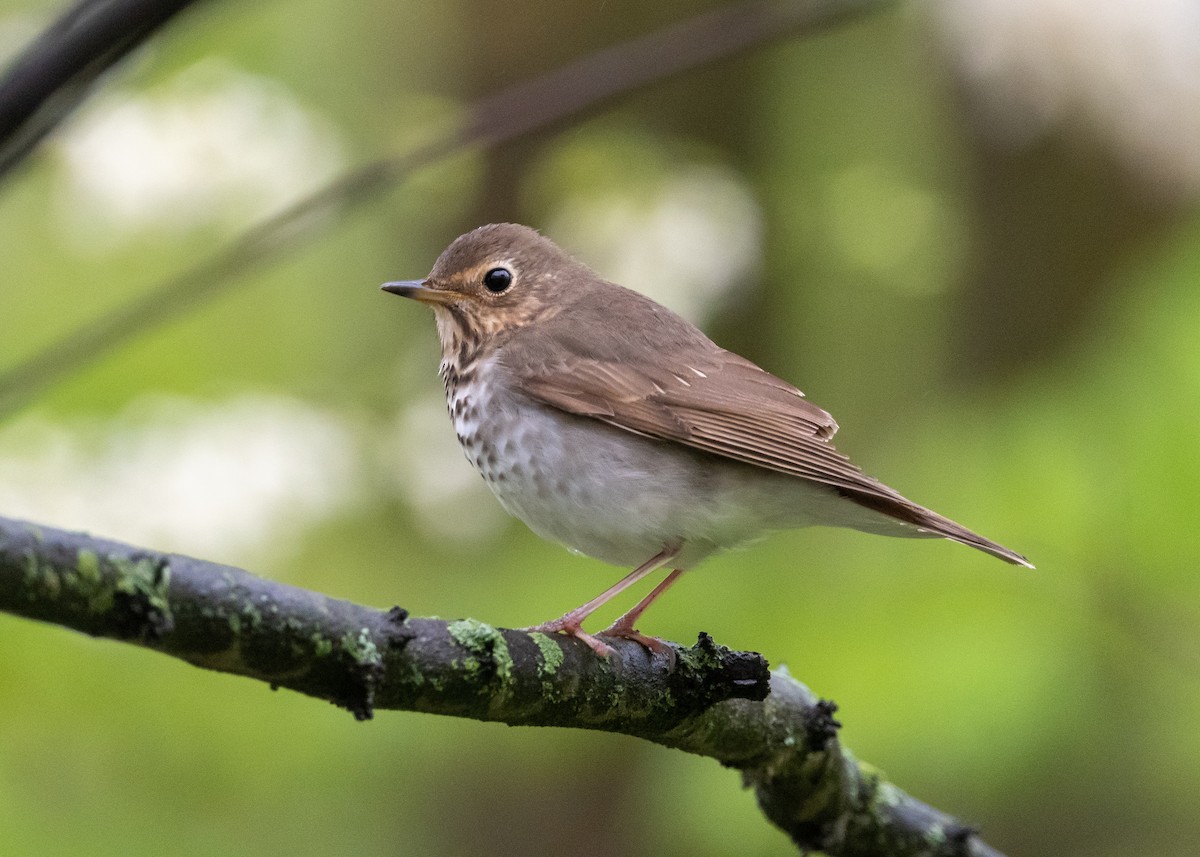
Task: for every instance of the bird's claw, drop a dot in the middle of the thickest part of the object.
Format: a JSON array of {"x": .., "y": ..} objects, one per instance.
[
  {"x": 621, "y": 631},
  {"x": 570, "y": 628},
  {"x": 654, "y": 645}
]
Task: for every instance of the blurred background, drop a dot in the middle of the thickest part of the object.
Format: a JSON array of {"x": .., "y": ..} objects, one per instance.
[{"x": 968, "y": 229}]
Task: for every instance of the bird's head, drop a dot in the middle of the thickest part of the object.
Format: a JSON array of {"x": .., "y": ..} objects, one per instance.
[{"x": 493, "y": 280}]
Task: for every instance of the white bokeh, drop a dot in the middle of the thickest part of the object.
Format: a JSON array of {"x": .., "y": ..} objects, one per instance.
[
  {"x": 212, "y": 146},
  {"x": 233, "y": 481},
  {"x": 1129, "y": 72},
  {"x": 688, "y": 242}
]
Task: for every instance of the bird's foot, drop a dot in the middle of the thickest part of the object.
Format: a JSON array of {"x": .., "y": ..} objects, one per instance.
[
  {"x": 655, "y": 645},
  {"x": 571, "y": 627}
]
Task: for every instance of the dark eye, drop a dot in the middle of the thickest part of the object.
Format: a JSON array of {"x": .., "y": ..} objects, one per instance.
[{"x": 497, "y": 280}]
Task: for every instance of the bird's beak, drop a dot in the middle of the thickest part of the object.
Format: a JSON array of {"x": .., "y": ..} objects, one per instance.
[{"x": 418, "y": 291}]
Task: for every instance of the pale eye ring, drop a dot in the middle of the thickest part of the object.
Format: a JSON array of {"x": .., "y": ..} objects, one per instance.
[{"x": 497, "y": 280}]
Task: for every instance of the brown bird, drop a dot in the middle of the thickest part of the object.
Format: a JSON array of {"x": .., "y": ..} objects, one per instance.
[{"x": 607, "y": 423}]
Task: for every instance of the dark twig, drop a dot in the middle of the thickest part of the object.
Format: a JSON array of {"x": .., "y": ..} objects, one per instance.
[
  {"x": 538, "y": 104},
  {"x": 57, "y": 71},
  {"x": 711, "y": 702}
]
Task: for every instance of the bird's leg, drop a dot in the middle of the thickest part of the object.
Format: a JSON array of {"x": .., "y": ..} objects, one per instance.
[
  {"x": 570, "y": 623},
  {"x": 624, "y": 627}
]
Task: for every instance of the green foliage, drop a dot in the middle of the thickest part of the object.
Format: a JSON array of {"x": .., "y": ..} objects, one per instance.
[{"x": 1056, "y": 708}]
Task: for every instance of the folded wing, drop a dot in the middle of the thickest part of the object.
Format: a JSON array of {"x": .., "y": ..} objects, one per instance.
[{"x": 725, "y": 405}]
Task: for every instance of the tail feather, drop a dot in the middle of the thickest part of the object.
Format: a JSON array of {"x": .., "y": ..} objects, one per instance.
[{"x": 931, "y": 523}]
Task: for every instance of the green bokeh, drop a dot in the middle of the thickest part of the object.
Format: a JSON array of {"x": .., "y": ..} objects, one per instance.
[{"x": 1055, "y": 708}]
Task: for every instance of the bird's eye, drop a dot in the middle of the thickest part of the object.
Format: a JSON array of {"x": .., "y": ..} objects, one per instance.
[{"x": 497, "y": 280}]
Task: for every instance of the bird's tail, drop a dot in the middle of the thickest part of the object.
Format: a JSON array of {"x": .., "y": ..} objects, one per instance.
[{"x": 930, "y": 523}]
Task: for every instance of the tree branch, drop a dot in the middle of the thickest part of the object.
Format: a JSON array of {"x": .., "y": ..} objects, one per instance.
[
  {"x": 57, "y": 71},
  {"x": 711, "y": 701}
]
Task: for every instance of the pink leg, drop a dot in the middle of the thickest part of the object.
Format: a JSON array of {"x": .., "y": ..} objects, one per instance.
[
  {"x": 624, "y": 627},
  {"x": 571, "y": 623}
]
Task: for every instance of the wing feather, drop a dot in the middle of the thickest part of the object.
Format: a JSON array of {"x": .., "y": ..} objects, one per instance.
[
  {"x": 730, "y": 408},
  {"x": 727, "y": 406}
]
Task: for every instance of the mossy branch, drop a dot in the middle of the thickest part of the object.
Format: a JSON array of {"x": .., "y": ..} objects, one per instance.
[{"x": 711, "y": 701}]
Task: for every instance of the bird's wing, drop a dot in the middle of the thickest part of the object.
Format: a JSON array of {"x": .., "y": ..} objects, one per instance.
[
  {"x": 726, "y": 406},
  {"x": 730, "y": 407}
]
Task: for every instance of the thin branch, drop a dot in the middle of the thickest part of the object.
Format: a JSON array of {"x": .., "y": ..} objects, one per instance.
[
  {"x": 710, "y": 701},
  {"x": 507, "y": 115},
  {"x": 57, "y": 71}
]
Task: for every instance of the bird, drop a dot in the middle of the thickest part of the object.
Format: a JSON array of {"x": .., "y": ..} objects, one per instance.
[{"x": 615, "y": 427}]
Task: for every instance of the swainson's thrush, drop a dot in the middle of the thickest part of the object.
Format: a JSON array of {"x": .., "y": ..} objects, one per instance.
[{"x": 609, "y": 424}]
